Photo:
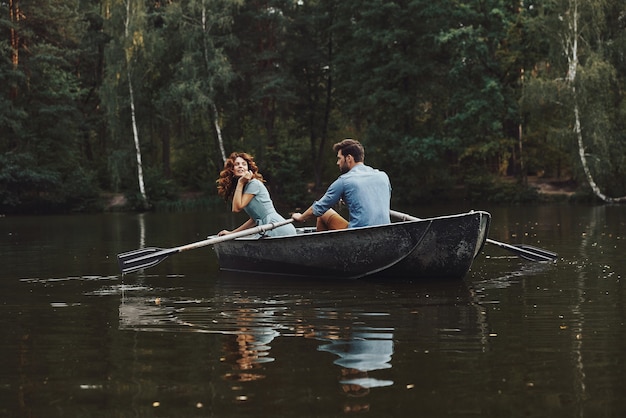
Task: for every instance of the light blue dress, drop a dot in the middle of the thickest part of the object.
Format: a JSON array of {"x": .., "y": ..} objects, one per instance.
[
  {"x": 367, "y": 193},
  {"x": 261, "y": 209}
]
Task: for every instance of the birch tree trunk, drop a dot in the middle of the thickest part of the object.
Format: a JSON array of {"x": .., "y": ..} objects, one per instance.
[
  {"x": 216, "y": 120},
  {"x": 142, "y": 188},
  {"x": 218, "y": 130},
  {"x": 570, "y": 46},
  {"x": 128, "y": 54}
]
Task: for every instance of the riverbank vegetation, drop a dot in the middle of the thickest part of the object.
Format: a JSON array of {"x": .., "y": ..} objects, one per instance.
[{"x": 455, "y": 100}]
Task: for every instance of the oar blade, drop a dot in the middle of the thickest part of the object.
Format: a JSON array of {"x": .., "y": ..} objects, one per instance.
[
  {"x": 148, "y": 257},
  {"x": 526, "y": 251},
  {"x": 532, "y": 256},
  {"x": 141, "y": 259},
  {"x": 540, "y": 252}
]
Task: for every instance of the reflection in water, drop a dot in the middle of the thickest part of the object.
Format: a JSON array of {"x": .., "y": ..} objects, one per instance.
[
  {"x": 359, "y": 333},
  {"x": 360, "y": 350},
  {"x": 251, "y": 326},
  {"x": 588, "y": 244},
  {"x": 363, "y": 355},
  {"x": 568, "y": 303},
  {"x": 511, "y": 276},
  {"x": 516, "y": 339},
  {"x": 140, "y": 314},
  {"x": 142, "y": 230},
  {"x": 251, "y": 346}
]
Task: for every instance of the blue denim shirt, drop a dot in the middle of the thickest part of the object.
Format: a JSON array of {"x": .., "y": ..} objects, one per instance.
[{"x": 367, "y": 193}]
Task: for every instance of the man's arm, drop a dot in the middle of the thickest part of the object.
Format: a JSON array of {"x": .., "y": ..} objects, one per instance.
[
  {"x": 301, "y": 217},
  {"x": 331, "y": 197}
]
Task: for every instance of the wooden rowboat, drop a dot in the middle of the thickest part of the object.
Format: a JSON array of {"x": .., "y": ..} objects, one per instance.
[{"x": 439, "y": 247}]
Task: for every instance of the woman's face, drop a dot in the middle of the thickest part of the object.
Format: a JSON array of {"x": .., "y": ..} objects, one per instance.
[{"x": 240, "y": 167}]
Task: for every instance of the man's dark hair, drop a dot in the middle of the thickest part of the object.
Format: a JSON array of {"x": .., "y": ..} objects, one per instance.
[{"x": 351, "y": 147}]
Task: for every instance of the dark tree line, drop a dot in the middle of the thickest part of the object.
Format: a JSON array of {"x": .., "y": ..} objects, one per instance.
[{"x": 451, "y": 98}]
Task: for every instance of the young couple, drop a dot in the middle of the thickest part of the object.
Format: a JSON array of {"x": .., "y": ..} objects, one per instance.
[{"x": 365, "y": 191}]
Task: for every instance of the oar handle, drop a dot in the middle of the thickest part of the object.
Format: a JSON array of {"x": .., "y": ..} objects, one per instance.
[
  {"x": 402, "y": 216},
  {"x": 250, "y": 231}
]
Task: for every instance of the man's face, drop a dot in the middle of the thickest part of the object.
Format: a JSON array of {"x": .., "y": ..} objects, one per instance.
[{"x": 342, "y": 163}]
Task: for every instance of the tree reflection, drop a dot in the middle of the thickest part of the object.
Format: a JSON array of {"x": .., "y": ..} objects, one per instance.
[{"x": 358, "y": 332}]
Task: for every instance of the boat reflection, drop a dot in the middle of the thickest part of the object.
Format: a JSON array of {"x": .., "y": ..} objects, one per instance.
[{"x": 356, "y": 323}]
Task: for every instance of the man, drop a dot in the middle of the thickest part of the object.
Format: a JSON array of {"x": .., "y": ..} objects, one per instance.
[{"x": 365, "y": 190}]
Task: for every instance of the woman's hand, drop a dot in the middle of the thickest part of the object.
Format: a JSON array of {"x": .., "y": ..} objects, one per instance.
[
  {"x": 241, "y": 199},
  {"x": 246, "y": 178}
]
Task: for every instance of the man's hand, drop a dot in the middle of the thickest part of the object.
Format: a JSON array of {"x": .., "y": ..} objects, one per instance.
[{"x": 297, "y": 216}]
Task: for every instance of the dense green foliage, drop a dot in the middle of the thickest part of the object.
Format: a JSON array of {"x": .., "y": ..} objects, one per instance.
[{"x": 448, "y": 96}]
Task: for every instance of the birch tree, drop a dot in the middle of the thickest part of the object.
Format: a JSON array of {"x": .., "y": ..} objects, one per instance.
[
  {"x": 209, "y": 49},
  {"x": 133, "y": 40},
  {"x": 125, "y": 25},
  {"x": 570, "y": 44},
  {"x": 203, "y": 70}
]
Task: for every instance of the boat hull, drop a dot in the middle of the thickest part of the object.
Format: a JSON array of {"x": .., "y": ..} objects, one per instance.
[
  {"x": 442, "y": 247},
  {"x": 448, "y": 248}
]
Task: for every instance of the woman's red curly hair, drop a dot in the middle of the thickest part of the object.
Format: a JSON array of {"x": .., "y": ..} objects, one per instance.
[{"x": 227, "y": 182}]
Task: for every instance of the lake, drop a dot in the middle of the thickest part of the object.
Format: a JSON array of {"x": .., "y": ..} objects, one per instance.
[{"x": 513, "y": 339}]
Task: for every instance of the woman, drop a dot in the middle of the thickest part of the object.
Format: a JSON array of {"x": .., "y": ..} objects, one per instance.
[{"x": 241, "y": 181}]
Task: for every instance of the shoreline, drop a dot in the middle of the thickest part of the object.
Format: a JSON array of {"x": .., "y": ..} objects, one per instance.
[{"x": 548, "y": 189}]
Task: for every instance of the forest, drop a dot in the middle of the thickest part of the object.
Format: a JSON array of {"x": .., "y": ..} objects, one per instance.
[{"x": 454, "y": 99}]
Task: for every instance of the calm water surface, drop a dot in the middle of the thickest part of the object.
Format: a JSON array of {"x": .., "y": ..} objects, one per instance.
[{"x": 514, "y": 339}]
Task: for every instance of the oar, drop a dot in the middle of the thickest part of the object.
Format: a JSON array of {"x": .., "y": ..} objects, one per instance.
[
  {"x": 147, "y": 257},
  {"x": 525, "y": 251}
]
